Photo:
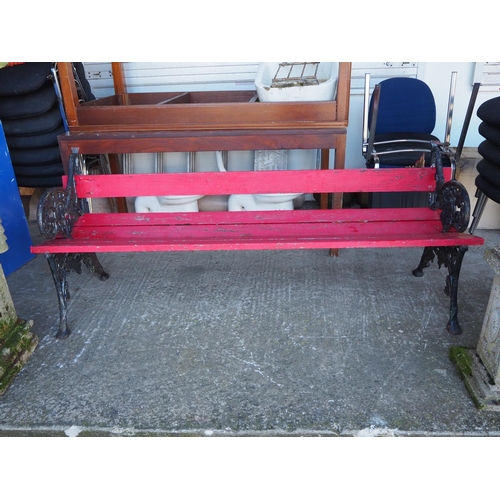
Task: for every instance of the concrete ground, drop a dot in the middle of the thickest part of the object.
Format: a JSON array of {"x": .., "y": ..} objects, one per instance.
[{"x": 250, "y": 343}]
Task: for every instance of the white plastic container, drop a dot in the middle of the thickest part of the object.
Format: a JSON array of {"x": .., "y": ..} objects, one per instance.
[{"x": 324, "y": 91}]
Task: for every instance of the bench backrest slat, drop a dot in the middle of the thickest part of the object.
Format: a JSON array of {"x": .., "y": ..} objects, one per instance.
[{"x": 225, "y": 183}]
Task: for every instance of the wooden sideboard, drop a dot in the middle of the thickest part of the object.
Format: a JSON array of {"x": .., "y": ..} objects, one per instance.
[{"x": 201, "y": 121}]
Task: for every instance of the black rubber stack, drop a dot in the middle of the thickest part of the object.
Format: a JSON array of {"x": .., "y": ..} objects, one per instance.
[
  {"x": 32, "y": 120},
  {"x": 488, "y": 180}
]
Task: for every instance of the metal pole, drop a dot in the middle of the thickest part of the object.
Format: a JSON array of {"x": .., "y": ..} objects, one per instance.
[
  {"x": 365, "y": 109},
  {"x": 373, "y": 124},
  {"x": 468, "y": 115},
  {"x": 451, "y": 104}
]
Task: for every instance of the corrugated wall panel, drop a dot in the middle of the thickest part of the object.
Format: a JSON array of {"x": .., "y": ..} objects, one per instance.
[
  {"x": 488, "y": 75},
  {"x": 173, "y": 77},
  {"x": 379, "y": 71}
]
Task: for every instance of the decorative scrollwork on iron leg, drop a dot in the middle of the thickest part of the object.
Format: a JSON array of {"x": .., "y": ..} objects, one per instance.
[
  {"x": 451, "y": 258},
  {"x": 58, "y": 210},
  {"x": 450, "y": 197},
  {"x": 455, "y": 206}
]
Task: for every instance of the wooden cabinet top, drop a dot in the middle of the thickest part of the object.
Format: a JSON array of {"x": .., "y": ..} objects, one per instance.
[{"x": 199, "y": 111}]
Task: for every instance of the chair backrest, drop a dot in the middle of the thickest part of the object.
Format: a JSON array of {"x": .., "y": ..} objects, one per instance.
[{"x": 406, "y": 106}]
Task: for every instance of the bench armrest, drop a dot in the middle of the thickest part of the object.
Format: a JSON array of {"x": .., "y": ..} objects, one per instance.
[
  {"x": 450, "y": 197},
  {"x": 59, "y": 208}
]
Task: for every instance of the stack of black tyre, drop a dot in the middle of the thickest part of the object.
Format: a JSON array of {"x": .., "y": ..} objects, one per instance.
[
  {"x": 32, "y": 118},
  {"x": 488, "y": 180}
]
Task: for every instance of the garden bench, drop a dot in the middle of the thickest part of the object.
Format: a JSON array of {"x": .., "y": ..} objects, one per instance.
[{"x": 74, "y": 236}]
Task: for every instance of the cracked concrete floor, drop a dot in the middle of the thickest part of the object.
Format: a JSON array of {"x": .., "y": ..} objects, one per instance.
[{"x": 250, "y": 344}]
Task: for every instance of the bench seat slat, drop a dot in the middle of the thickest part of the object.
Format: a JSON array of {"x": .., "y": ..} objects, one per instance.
[
  {"x": 264, "y": 182},
  {"x": 256, "y": 237},
  {"x": 262, "y": 217}
]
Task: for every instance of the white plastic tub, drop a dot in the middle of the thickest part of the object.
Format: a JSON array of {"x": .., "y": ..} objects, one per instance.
[{"x": 324, "y": 91}]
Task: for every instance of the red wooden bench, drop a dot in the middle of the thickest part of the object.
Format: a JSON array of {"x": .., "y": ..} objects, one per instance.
[{"x": 73, "y": 236}]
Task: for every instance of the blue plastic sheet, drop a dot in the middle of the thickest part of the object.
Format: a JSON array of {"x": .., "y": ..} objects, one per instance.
[{"x": 12, "y": 215}]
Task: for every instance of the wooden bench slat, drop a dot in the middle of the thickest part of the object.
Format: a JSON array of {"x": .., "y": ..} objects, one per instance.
[
  {"x": 261, "y": 217},
  {"x": 257, "y": 237},
  {"x": 288, "y": 181}
]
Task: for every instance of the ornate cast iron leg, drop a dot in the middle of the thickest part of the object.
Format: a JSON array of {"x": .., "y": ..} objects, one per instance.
[
  {"x": 61, "y": 265},
  {"x": 451, "y": 258},
  {"x": 60, "y": 276},
  {"x": 58, "y": 210},
  {"x": 453, "y": 200},
  {"x": 454, "y": 257}
]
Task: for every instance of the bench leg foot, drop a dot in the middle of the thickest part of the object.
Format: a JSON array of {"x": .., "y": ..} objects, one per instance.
[
  {"x": 451, "y": 258},
  {"x": 94, "y": 266},
  {"x": 425, "y": 261},
  {"x": 61, "y": 265}
]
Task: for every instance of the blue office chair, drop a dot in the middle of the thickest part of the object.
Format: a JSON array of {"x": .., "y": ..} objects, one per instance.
[
  {"x": 399, "y": 121},
  {"x": 398, "y": 125}
]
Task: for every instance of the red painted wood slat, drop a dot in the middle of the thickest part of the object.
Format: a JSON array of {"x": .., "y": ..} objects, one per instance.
[
  {"x": 224, "y": 183},
  {"x": 265, "y": 217},
  {"x": 257, "y": 237}
]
